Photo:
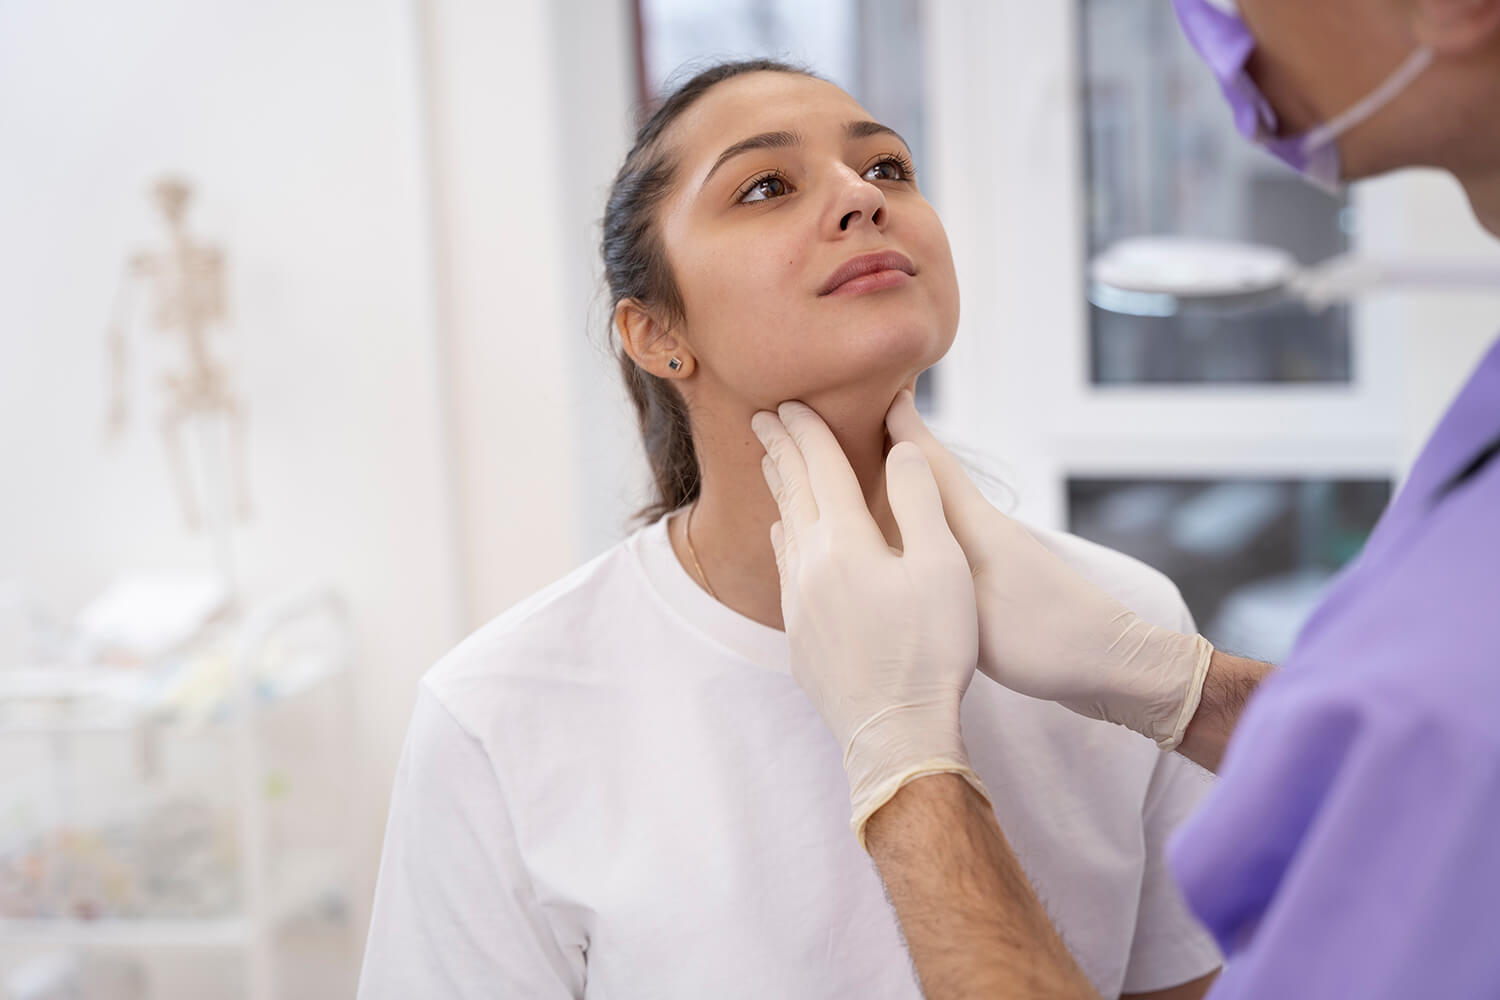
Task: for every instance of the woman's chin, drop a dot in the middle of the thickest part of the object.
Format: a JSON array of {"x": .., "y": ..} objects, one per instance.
[
  {"x": 862, "y": 394},
  {"x": 862, "y": 370},
  {"x": 874, "y": 358}
]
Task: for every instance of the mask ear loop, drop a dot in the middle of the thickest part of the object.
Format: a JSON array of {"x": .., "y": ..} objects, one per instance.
[{"x": 1415, "y": 65}]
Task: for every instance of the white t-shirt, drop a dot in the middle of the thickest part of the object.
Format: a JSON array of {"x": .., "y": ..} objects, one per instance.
[{"x": 617, "y": 790}]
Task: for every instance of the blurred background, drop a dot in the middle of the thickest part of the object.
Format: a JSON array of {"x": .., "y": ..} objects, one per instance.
[{"x": 303, "y": 377}]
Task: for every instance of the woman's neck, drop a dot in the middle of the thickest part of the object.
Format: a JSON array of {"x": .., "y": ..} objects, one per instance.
[{"x": 731, "y": 527}]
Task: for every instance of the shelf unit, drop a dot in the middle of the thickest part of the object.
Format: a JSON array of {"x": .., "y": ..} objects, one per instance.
[{"x": 272, "y": 889}]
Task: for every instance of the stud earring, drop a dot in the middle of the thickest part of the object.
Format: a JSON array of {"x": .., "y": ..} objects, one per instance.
[{"x": 675, "y": 364}]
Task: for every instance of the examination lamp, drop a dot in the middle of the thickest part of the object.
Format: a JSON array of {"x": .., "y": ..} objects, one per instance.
[{"x": 1167, "y": 275}]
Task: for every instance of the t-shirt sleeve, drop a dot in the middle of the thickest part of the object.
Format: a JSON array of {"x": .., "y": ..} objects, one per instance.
[
  {"x": 1170, "y": 946},
  {"x": 455, "y": 914}
]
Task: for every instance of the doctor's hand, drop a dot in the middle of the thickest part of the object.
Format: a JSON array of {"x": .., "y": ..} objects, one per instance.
[
  {"x": 1047, "y": 632},
  {"x": 883, "y": 642}
]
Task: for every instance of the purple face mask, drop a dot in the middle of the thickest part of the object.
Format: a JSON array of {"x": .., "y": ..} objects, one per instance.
[{"x": 1222, "y": 38}]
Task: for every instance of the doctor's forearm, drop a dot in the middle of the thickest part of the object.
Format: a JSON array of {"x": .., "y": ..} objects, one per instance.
[
  {"x": 972, "y": 921},
  {"x": 1227, "y": 689}
]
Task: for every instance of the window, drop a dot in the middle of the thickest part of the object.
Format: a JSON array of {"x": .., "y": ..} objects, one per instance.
[
  {"x": 1162, "y": 156},
  {"x": 1251, "y": 556}
]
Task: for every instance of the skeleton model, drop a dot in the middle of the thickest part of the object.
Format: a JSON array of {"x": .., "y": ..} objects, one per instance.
[{"x": 184, "y": 283}]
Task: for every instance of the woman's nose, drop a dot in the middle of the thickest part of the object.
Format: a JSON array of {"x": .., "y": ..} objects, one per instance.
[{"x": 858, "y": 202}]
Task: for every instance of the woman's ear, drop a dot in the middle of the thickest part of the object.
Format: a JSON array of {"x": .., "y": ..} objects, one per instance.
[
  {"x": 1456, "y": 27},
  {"x": 650, "y": 343}
]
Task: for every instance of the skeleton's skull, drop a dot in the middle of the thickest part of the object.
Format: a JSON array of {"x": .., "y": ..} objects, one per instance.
[{"x": 172, "y": 195}]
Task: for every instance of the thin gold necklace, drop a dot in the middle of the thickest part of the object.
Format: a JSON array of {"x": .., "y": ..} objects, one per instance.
[{"x": 688, "y": 533}]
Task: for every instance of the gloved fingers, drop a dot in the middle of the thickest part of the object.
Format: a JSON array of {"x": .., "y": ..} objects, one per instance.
[
  {"x": 835, "y": 487},
  {"x": 783, "y": 567},
  {"x": 780, "y": 542},
  {"x": 917, "y": 504},
  {"x": 773, "y": 479},
  {"x": 905, "y": 424},
  {"x": 790, "y": 487},
  {"x": 903, "y": 420}
]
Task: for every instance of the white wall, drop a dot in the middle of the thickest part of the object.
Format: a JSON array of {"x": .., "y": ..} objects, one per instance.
[
  {"x": 593, "y": 44},
  {"x": 298, "y": 121},
  {"x": 528, "y": 107},
  {"x": 1443, "y": 333}
]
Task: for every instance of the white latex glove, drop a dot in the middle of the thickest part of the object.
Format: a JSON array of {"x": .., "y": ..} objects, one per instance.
[
  {"x": 883, "y": 642},
  {"x": 1047, "y": 632}
]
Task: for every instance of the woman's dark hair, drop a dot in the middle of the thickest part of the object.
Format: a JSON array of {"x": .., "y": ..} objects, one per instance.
[{"x": 635, "y": 267}]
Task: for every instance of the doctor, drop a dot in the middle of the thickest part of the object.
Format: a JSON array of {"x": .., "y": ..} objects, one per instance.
[{"x": 1352, "y": 847}]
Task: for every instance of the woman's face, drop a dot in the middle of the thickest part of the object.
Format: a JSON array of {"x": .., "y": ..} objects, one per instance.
[{"x": 785, "y": 185}]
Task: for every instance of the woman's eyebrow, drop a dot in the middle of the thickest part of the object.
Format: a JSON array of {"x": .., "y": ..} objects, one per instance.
[
  {"x": 766, "y": 140},
  {"x": 782, "y": 140},
  {"x": 866, "y": 129}
]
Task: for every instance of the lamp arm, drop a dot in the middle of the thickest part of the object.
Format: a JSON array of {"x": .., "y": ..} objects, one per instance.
[{"x": 1351, "y": 275}]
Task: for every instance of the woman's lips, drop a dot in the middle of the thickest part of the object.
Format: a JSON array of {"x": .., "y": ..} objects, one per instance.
[
  {"x": 869, "y": 273},
  {"x": 872, "y": 282}
]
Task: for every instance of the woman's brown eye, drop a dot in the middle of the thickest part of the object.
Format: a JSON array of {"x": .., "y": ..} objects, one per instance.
[
  {"x": 885, "y": 170},
  {"x": 770, "y": 187}
]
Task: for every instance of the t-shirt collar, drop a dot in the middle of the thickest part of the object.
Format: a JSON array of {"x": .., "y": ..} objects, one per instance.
[{"x": 718, "y": 623}]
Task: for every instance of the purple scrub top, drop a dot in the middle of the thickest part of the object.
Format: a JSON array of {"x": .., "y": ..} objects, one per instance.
[{"x": 1352, "y": 846}]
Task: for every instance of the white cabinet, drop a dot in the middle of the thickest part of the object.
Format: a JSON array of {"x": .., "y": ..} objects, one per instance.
[{"x": 191, "y": 806}]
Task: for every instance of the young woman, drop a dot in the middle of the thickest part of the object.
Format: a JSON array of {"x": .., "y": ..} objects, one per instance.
[{"x": 616, "y": 789}]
